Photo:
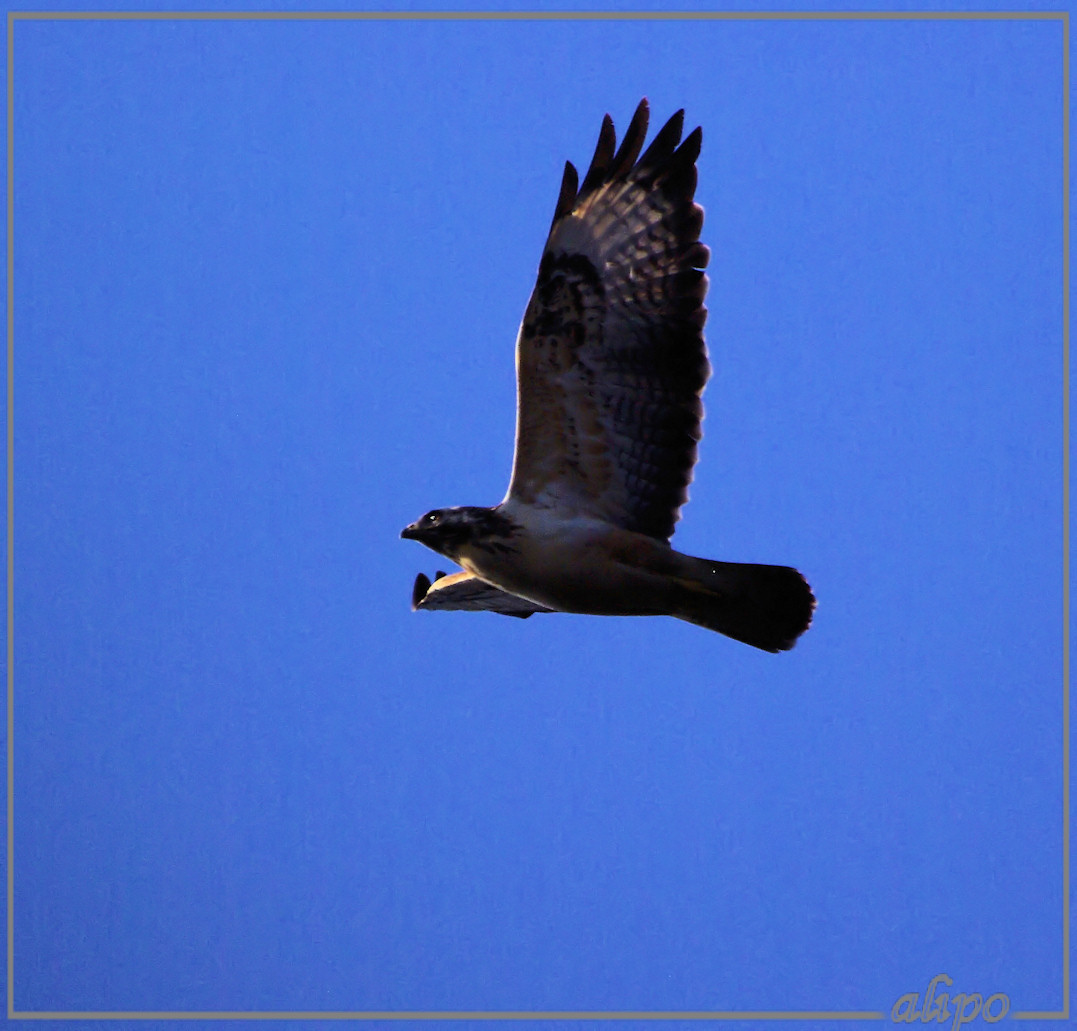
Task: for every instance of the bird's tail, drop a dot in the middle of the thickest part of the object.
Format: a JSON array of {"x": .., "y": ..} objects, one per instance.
[{"x": 768, "y": 607}]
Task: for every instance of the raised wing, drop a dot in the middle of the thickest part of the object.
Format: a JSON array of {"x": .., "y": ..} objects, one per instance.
[
  {"x": 610, "y": 360},
  {"x": 466, "y": 592}
]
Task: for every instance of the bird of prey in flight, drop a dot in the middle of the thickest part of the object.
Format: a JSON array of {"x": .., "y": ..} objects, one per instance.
[{"x": 610, "y": 366}]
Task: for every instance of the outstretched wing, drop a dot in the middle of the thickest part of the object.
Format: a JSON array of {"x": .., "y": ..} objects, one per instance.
[
  {"x": 610, "y": 360},
  {"x": 466, "y": 592}
]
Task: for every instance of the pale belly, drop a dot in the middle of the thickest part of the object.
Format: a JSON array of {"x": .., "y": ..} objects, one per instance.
[{"x": 582, "y": 566}]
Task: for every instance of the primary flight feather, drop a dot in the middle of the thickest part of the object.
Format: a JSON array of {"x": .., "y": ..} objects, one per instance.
[{"x": 611, "y": 363}]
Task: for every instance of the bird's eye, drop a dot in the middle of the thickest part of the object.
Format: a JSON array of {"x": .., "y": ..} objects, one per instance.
[{"x": 432, "y": 518}]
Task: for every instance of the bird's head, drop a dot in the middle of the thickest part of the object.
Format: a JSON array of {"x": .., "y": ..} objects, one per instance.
[
  {"x": 449, "y": 530},
  {"x": 443, "y": 530}
]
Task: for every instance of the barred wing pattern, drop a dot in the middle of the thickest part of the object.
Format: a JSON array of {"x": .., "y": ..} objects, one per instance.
[
  {"x": 462, "y": 591},
  {"x": 610, "y": 358}
]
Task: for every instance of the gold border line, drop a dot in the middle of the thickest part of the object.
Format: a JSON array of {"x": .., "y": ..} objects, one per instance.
[
  {"x": 10, "y": 513},
  {"x": 457, "y": 1015},
  {"x": 539, "y": 15},
  {"x": 14, "y": 16}
]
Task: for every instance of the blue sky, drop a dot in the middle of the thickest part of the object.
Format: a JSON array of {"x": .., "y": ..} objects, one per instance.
[{"x": 267, "y": 281}]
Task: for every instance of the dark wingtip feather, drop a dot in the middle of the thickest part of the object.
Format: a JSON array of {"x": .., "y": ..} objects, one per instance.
[
  {"x": 418, "y": 591},
  {"x": 566, "y": 200},
  {"x": 688, "y": 151},
  {"x": 632, "y": 143},
  {"x": 665, "y": 143},
  {"x": 596, "y": 173},
  {"x": 606, "y": 166}
]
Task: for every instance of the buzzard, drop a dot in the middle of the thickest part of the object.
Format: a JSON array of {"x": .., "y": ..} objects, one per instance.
[{"x": 610, "y": 365}]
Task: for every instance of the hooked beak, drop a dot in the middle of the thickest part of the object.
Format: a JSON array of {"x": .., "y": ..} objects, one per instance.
[{"x": 411, "y": 532}]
